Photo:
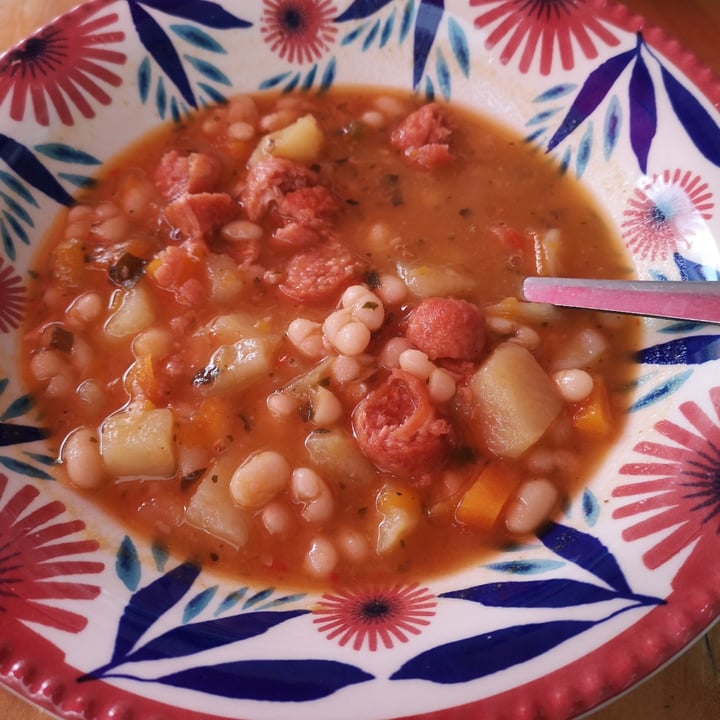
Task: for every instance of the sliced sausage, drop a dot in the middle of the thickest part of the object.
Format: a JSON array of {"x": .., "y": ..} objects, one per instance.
[
  {"x": 447, "y": 328},
  {"x": 196, "y": 215},
  {"x": 399, "y": 429},
  {"x": 423, "y": 137},
  {"x": 320, "y": 272},
  {"x": 178, "y": 174}
]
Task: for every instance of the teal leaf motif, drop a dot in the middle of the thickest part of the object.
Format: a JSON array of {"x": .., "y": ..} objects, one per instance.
[
  {"x": 23, "y": 468},
  {"x": 208, "y": 70},
  {"x": 198, "y": 603},
  {"x": 18, "y": 407},
  {"x": 197, "y": 37},
  {"x": 127, "y": 564}
]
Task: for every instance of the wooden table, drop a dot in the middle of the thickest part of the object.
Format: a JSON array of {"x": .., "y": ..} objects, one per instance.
[{"x": 689, "y": 688}]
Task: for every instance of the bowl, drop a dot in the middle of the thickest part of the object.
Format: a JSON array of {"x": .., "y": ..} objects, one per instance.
[{"x": 97, "y": 620}]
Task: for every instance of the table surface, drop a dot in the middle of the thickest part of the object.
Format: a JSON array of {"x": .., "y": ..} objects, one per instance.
[{"x": 689, "y": 687}]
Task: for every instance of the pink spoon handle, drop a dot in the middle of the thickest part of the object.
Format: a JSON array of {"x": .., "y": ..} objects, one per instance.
[{"x": 699, "y": 301}]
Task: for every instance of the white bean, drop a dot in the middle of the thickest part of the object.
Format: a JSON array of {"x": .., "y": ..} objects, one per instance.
[
  {"x": 526, "y": 336},
  {"x": 281, "y": 404},
  {"x": 307, "y": 337},
  {"x": 574, "y": 384},
  {"x": 112, "y": 229},
  {"x": 391, "y": 290},
  {"x": 353, "y": 545},
  {"x": 334, "y": 322},
  {"x": 352, "y": 294},
  {"x": 390, "y": 354},
  {"x": 82, "y": 459},
  {"x": 352, "y": 339},
  {"x": 311, "y": 491},
  {"x": 241, "y": 130},
  {"x": 369, "y": 310},
  {"x": 241, "y": 231},
  {"x": 345, "y": 369},
  {"x": 60, "y": 385},
  {"x": 326, "y": 408},
  {"x": 155, "y": 341},
  {"x": 373, "y": 118},
  {"x": 46, "y": 364},
  {"x": 259, "y": 479},
  {"x": 276, "y": 518},
  {"x": 91, "y": 392},
  {"x": 417, "y": 363},
  {"x": 535, "y": 501},
  {"x": 441, "y": 385},
  {"x": 321, "y": 557},
  {"x": 85, "y": 308}
]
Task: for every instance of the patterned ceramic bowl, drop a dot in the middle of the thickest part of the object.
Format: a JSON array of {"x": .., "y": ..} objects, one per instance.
[{"x": 93, "y": 622}]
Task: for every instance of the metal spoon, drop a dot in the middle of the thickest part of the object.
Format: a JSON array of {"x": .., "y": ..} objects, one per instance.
[{"x": 681, "y": 300}]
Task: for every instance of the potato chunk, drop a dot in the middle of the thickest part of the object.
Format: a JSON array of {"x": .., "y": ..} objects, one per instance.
[
  {"x": 139, "y": 443},
  {"x": 515, "y": 401},
  {"x": 400, "y": 512},
  {"x": 300, "y": 141},
  {"x": 135, "y": 313},
  {"x": 212, "y": 509}
]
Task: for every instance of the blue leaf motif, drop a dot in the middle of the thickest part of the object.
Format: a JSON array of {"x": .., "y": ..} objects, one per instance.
[
  {"x": 360, "y": 9},
  {"x": 427, "y": 21},
  {"x": 231, "y": 600},
  {"x": 690, "y": 270},
  {"x": 696, "y": 120},
  {"x": 612, "y": 126},
  {"x": 198, "y": 38},
  {"x": 16, "y": 227},
  {"x": 161, "y": 98},
  {"x": 198, "y": 603},
  {"x": 127, "y": 564},
  {"x": 17, "y": 209},
  {"x": 459, "y": 46},
  {"x": 206, "y": 13},
  {"x": 13, "y": 434},
  {"x": 27, "y": 166},
  {"x": 525, "y": 567},
  {"x": 258, "y": 597},
  {"x": 387, "y": 30},
  {"x": 591, "y": 94},
  {"x": 406, "y": 20},
  {"x": 370, "y": 37},
  {"x": 144, "y": 79},
  {"x": 693, "y": 350},
  {"x": 309, "y": 78},
  {"x": 81, "y": 181},
  {"x": 8, "y": 244},
  {"x": 584, "y": 150},
  {"x": 200, "y": 636},
  {"x": 18, "y": 188},
  {"x": 276, "y": 680},
  {"x": 160, "y": 47},
  {"x": 443, "y": 75},
  {"x": 328, "y": 75},
  {"x": 587, "y": 552},
  {"x": 556, "y": 92},
  {"x": 535, "y": 594},
  {"x": 23, "y": 468},
  {"x": 274, "y": 81},
  {"x": 213, "y": 93},
  {"x": 662, "y": 391},
  {"x": 482, "y": 655},
  {"x": 67, "y": 154},
  {"x": 210, "y": 71},
  {"x": 18, "y": 407},
  {"x": 149, "y": 603},
  {"x": 643, "y": 112},
  {"x": 590, "y": 507}
]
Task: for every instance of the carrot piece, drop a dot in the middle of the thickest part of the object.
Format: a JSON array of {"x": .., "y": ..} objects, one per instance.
[
  {"x": 594, "y": 415},
  {"x": 482, "y": 503},
  {"x": 212, "y": 422}
]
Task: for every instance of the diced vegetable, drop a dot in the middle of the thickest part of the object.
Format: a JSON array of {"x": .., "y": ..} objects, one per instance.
[
  {"x": 337, "y": 453},
  {"x": 139, "y": 443},
  {"x": 548, "y": 259},
  {"x": 481, "y": 505},
  {"x": 234, "y": 367},
  {"x": 226, "y": 280},
  {"x": 515, "y": 401},
  {"x": 135, "y": 313},
  {"x": 594, "y": 415},
  {"x": 68, "y": 263},
  {"x": 435, "y": 281},
  {"x": 511, "y": 308},
  {"x": 211, "y": 508},
  {"x": 301, "y": 141},
  {"x": 400, "y": 512}
]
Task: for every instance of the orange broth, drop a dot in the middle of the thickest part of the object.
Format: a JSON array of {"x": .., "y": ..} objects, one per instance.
[{"x": 492, "y": 211}]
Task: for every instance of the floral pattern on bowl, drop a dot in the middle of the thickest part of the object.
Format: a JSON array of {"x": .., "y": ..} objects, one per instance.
[{"x": 94, "y": 620}]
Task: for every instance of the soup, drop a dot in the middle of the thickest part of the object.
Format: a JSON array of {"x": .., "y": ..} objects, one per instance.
[{"x": 284, "y": 338}]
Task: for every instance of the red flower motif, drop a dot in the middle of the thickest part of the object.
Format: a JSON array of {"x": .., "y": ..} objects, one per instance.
[
  {"x": 544, "y": 27},
  {"x": 378, "y": 615},
  {"x": 679, "y": 498},
  {"x": 31, "y": 560},
  {"x": 12, "y": 299},
  {"x": 62, "y": 64},
  {"x": 298, "y": 30},
  {"x": 661, "y": 216}
]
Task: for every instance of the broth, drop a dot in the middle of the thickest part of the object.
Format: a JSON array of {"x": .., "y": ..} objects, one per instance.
[{"x": 270, "y": 338}]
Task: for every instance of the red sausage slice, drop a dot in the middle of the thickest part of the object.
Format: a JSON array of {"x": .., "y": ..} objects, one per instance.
[
  {"x": 423, "y": 137},
  {"x": 447, "y": 328},
  {"x": 399, "y": 429}
]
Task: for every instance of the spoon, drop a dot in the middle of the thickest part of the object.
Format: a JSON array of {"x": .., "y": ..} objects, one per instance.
[{"x": 680, "y": 300}]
